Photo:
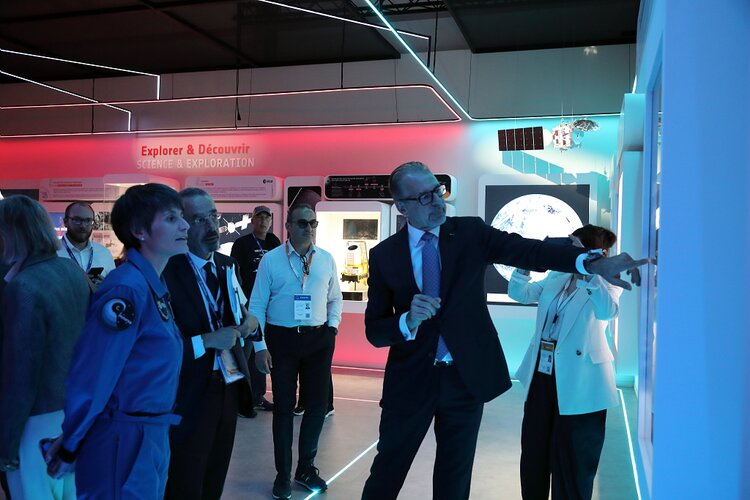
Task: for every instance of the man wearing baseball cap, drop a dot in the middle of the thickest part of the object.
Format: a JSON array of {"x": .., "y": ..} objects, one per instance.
[{"x": 248, "y": 250}]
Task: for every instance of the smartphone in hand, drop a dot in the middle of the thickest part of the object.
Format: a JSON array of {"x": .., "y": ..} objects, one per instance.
[{"x": 95, "y": 272}]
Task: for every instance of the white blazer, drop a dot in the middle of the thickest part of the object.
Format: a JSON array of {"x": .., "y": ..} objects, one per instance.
[{"x": 583, "y": 360}]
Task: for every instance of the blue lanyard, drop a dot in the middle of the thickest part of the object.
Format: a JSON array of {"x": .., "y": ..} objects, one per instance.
[
  {"x": 72, "y": 256},
  {"x": 257, "y": 242}
]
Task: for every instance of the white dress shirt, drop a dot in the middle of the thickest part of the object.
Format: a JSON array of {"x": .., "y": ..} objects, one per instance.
[{"x": 93, "y": 252}]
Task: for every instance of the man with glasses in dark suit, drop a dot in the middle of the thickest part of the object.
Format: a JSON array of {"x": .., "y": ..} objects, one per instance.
[
  {"x": 207, "y": 301},
  {"x": 427, "y": 303},
  {"x": 298, "y": 303}
]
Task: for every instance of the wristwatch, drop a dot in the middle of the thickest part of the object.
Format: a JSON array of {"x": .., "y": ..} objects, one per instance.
[{"x": 591, "y": 256}]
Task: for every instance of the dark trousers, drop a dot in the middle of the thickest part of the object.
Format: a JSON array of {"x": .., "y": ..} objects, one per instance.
[
  {"x": 202, "y": 444},
  {"x": 457, "y": 416},
  {"x": 566, "y": 446},
  {"x": 249, "y": 398},
  {"x": 301, "y": 400},
  {"x": 307, "y": 355}
]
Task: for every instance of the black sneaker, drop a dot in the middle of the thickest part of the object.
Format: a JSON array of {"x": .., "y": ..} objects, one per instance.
[
  {"x": 299, "y": 411},
  {"x": 330, "y": 412},
  {"x": 245, "y": 414},
  {"x": 264, "y": 405},
  {"x": 310, "y": 479},
  {"x": 282, "y": 487}
]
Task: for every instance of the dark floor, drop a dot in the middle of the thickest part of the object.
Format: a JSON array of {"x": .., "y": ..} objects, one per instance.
[{"x": 349, "y": 439}]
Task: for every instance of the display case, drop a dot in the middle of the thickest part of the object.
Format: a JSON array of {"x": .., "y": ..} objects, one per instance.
[
  {"x": 349, "y": 230},
  {"x": 236, "y": 197},
  {"x": 57, "y": 193},
  {"x": 101, "y": 233}
]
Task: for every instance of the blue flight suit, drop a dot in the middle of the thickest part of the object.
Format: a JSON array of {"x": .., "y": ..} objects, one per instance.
[{"x": 121, "y": 387}]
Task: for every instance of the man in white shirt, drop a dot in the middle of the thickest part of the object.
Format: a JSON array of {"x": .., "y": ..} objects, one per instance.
[
  {"x": 76, "y": 244},
  {"x": 298, "y": 303}
]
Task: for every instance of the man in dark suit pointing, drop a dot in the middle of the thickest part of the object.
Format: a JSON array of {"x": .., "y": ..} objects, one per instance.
[{"x": 427, "y": 303}]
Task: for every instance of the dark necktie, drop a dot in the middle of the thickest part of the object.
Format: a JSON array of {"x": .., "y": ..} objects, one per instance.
[
  {"x": 212, "y": 282},
  {"x": 431, "y": 280}
]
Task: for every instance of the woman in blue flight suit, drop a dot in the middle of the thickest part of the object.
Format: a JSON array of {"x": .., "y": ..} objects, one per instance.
[{"x": 122, "y": 383}]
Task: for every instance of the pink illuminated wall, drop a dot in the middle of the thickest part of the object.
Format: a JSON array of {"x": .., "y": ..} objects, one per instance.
[
  {"x": 282, "y": 153},
  {"x": 314, "y": 151}
]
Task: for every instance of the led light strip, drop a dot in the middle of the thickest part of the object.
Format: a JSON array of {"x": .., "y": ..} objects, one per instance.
[
  {"x": 347, "y": 466},
  {"x": 248, "y": 96},
  {"x": 81, "y": 63},
  {"x": 331, "y": 16},
  {"x": 224, "y": 129},
  {"x": 419, "y": 61},
  {"x": 93, "y": 102},
  {"x": 357, "y": 400},
  {"x": 235, "y": 96},
  {"x": 630, "y": 445}
]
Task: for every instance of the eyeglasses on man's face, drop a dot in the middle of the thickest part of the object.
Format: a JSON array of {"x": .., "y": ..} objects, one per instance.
[
  {"x": 427, "y": 197},
  {"x": 199, "y": 220},
  {"x": 302, "y": 223},
  {"x": 79, "y": 221}
]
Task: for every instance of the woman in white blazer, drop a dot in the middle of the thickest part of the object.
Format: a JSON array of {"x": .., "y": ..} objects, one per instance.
[{"x": 568, "y": 376}]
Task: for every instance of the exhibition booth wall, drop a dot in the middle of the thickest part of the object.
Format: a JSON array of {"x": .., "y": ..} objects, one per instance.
[{"x": 468, "y": 152}]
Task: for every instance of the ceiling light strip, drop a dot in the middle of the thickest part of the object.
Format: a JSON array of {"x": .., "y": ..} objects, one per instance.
[
  {"x": 331, "y": 16},
  {"x": 224, "y": 129},
  {"x": 240, "y": 96},
  {"x": 81, "y": 63},
  {"x": 419, "y": 61},
  {"x": 68, "y": 92}
]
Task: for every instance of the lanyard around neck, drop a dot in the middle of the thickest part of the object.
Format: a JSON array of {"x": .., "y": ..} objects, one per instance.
[
  {"x": 306, "y": 264},
  {"x": 257, "y": 242},
  {"x": 72, "y": 256},
  {"x": 213, "y": 305}
]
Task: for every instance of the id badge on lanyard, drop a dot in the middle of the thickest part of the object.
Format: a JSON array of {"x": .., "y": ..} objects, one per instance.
[
  {"x": 546, "y": 357},
  {"x": 302, "y": 306}
]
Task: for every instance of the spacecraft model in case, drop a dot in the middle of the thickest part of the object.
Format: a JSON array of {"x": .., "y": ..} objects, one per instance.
[{"x": 355, "y": 270}]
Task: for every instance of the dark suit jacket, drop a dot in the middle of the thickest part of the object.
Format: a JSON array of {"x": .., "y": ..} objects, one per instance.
[
  {"x": 192, "y": 319},
  {"x": 467, "y": 246}
]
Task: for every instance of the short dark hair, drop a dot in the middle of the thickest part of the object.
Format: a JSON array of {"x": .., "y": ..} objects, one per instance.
[
  {"x": 593, "y": 237},
  {"x": 137, "y": 208},
  {"x": 25, "y": 229},
  {"x": 403, "y": 169},
  {"x": 193, "y": 191},
  {"x": 298, "y": 206},
  {"x": 78, "y": 203}
]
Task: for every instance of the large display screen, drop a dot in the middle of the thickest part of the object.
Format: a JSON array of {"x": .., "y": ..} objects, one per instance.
[{"x": 533, "y": 211}]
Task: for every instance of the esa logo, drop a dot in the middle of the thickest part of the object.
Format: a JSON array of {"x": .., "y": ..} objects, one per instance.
[{"x": 267, "y": 181}]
